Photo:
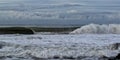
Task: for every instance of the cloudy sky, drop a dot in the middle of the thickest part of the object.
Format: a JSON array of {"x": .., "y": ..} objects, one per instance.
[{"x": 61, "y": 12}]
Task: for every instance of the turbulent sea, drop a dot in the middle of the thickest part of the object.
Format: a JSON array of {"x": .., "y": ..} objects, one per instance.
[
  {"x": 60, "y": 47},
  {"x": 96, "y": 38},
  {"x": 90, "y": 42}
]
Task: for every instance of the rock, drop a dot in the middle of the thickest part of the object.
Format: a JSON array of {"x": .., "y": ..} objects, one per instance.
[
  {"x": 2, "y": 57},
  {"x": 81, "y": 57},
  {"x": 118, "y": 56},
  {"x": 114, "y": 46},
  {"x": 32, "y": 37},
  {"x": 56, "y": 57},
  {"x": 68, "y": 57}
]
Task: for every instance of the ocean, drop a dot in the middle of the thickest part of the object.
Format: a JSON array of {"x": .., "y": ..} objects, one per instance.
[{"x": 59, "y": 30}]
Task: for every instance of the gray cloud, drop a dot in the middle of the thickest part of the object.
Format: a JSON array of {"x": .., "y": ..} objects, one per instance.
[{"x": 66, "y": 11}]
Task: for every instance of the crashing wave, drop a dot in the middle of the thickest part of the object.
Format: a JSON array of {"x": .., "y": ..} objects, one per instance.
[{"x": 98, "y": 29}]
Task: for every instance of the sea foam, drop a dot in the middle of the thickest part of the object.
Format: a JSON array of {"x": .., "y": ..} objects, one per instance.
[{"x": 98, "y": 29}]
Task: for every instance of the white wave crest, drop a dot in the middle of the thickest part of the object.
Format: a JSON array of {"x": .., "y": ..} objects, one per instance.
[{"x": 98, "y": 29}]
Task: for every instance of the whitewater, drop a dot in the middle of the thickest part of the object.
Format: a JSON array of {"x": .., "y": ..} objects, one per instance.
[
  {"x": 98, "y": 29},
  {"x": 36, "y": 47}
]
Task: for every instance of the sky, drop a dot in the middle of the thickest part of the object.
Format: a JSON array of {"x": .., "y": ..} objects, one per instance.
[{"x": 61, "y": 12}]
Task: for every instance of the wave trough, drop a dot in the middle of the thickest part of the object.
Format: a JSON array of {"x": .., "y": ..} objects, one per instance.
[{"x": 98, "y": 29}]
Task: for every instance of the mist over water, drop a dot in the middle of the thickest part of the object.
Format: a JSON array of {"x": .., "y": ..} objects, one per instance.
[{"x": 98, "y": 29}]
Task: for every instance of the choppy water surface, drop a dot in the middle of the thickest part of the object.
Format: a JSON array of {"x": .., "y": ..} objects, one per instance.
[{"x": 60, "y": 47}]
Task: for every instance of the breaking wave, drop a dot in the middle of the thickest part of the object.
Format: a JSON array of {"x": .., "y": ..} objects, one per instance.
[{"x": 98, "y": 29}]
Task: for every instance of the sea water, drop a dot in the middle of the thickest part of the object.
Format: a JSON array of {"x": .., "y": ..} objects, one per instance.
[{"x": 97, "y": 38}]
